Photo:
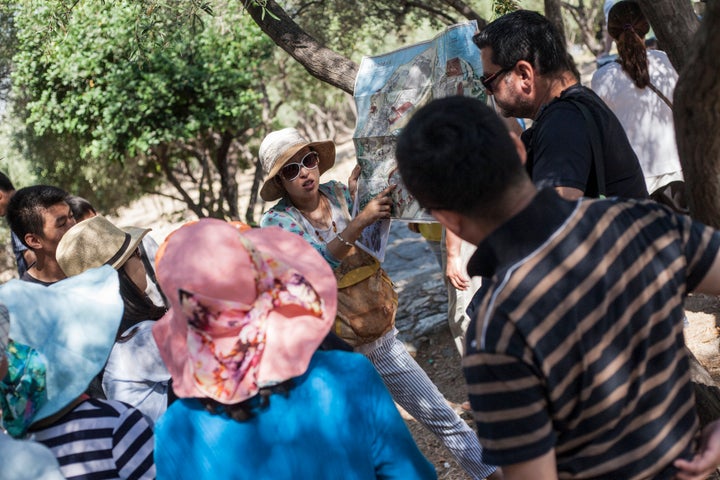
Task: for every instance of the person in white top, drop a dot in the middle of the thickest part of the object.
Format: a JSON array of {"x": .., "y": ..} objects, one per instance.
[
  {"x": 638, "y": 88},
  {"x": 134, "y": 372}
]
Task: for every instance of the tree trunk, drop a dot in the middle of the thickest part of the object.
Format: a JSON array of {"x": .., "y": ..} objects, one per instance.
[
  {"x": 697, "y": 119},
  {"x": 321, "y": 62},
  {"x": 228, "y": 182},
  {"x": 674, "y": 23},
  {"x": 707, "y": 392},
  {"x": 254, "y": 190},
  {"x": 161, "y": 154},
  {"x": 553, "y": 12}
]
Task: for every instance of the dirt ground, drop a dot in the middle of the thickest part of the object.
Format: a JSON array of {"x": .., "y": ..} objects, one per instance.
[
  {"x": 703, "y": 331},
  {"x": 437, "y": 355}
]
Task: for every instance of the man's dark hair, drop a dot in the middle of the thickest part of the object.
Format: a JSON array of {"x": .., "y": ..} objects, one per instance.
[
  {"x": 5, "y": 184},
  {"x": 456, "y": 154},
  {"x": 529, "y": 36},
  {"x": 24, "y": 210}
]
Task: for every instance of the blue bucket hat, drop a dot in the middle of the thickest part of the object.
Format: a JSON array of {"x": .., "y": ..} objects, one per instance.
[{"x": 72, "y": 323}]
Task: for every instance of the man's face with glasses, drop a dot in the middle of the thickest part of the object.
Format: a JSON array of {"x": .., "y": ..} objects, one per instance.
[{"x": 501, "y": 83}]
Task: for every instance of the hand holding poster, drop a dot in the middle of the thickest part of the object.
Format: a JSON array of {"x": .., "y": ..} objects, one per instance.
[{"x": 389, "y": 88}]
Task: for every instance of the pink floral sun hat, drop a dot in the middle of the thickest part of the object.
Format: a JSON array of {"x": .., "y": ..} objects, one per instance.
[{"x": 248, "y": 309}]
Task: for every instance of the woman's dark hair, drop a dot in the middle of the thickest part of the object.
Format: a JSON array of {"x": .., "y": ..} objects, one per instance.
[
  {"x": 243, "y": 411},
  {"x": 628, "y": 26},
  {"x": 138, "y": 307},
  {"x": 79, "y": 206}
]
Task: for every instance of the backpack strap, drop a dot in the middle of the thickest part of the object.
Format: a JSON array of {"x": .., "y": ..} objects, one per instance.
[{"x": 660, "y": 94}]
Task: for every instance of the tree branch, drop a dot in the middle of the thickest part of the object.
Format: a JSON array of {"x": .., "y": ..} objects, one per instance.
[
  {"x": 306, "y": 5},
  {"x": 167, "y": 195},
  {"x": 438, "y": 13},
  {"x": 321, "y": 62},
  {"x": 466, "y": 11},
  {"x": 228, "y": 184},
  {"x": 161, "y": 155}
]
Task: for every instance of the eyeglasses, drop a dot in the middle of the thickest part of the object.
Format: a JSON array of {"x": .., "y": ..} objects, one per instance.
[
  {"x": 488, "y": 81},
  {"x": 291, "y": 171}
]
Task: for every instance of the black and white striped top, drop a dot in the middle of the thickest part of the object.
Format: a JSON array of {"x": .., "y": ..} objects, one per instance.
[
  {"x": 101, "y": 439},
  {"x": 578, "y": 342}
]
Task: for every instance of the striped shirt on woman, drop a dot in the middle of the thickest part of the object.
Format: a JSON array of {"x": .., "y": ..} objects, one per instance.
[
  {"x": 578, "y": 344},
  {"x": 101, "y": 439}
]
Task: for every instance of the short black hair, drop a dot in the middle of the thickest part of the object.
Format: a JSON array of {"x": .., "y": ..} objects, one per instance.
[
  {"x": 79, "y": 206},
  {"x": 24, "y": 210},
  {"x": 5, "y": 184},
  {"x": 529, "y": 36},
  {"x": 456, "y": 154}
]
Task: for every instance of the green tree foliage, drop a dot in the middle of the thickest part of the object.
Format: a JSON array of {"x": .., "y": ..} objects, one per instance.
[
  {"x": 119, "y": 96},
  {"x": 348, "y": 26},
  {"x": 501, "y": 7},
  {"x": 7, "y": 44}
]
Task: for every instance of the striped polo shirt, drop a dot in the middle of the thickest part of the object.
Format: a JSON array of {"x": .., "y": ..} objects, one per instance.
[
  {"x": 578, "y": 342},
  {"x": 101, "y": 439}
]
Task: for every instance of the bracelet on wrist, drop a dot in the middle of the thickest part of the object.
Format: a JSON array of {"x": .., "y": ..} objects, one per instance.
[{"x": 340, "y": 237}]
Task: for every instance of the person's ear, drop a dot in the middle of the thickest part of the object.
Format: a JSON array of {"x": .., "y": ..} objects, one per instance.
[
  {"x": 449, "y": 219},
  {"x": 33, "y": 241},
  {"x": 525, "y": 71},
  {"x": 4, "y": 200},
  {"x": 519, "y": 146}
]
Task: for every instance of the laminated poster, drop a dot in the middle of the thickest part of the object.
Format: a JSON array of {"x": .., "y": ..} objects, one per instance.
[{"x": 389, "y": 88}]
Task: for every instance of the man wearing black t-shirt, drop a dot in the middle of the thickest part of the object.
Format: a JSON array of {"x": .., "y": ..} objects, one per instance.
[{"x": 575, "y": 140}]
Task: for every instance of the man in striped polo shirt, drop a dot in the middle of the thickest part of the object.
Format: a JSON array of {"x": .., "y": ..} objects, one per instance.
[{"x": 575, "y": 365}]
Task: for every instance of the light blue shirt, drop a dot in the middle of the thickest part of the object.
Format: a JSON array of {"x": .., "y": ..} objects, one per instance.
[{"x": 135, "y": 373}]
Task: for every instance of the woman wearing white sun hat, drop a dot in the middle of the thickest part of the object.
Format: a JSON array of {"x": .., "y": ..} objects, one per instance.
[{"x": 318, "y": 213}]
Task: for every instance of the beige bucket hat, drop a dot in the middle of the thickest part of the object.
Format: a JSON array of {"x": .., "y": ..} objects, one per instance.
[
  {"x": 95, "y": 242},
  {"x": 278, "y": 147}
]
